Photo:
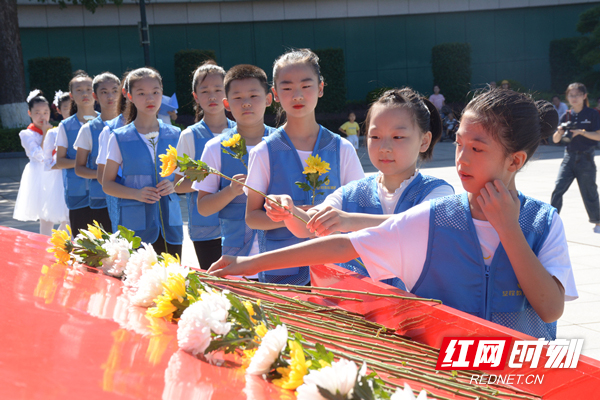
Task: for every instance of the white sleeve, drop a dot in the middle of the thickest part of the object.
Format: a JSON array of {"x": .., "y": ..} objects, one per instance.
[
  {"x": 103, "y": 145},
  {"x": 554, "y": 256},
  {"x": 114, "y": 152},
  {"x": 186, "y": 144},
  {"x": 397, "y": 247},
  {"x": 61, "y": 137},
  {"x": 33, "y": 150},
  {"x": 211, "y": 156},
  {"x": 440, "y": 191},
  {"x": 259, "y": 168},
  {"x": 334, "y": 200},
  {"x": 350, "y": 166},
  {"x": 49, "y": 146},
  {"x": 84, "y": 138}
]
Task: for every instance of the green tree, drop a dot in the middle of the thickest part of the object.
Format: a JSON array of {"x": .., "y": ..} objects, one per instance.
[
  {"x": 13, "y": 109},
  {"x": 589, "y": 47}
]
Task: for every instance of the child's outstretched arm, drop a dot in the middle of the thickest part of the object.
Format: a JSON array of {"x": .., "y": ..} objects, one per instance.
[
  {"x": 279, "y": 214},
  {"x": 329, "y": 220},
  {"x": 544, "y": 292},
  {"x": 334, "y": 249},
  {"x": 256, "y": 217}
]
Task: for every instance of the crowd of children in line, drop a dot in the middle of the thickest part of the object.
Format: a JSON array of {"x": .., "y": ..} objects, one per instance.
[{"x": 492, "y": 251}]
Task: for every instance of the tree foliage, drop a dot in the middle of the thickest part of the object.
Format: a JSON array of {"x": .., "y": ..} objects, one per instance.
[
  {"x": 186, "y": 62},
  {"x": 90, "y": 5},
  {"x": 589, "y": 47},
  {"x": 565, "y": 65},
  {"x": 451, "y": 67},
  {"x": 333, "y": 69}
]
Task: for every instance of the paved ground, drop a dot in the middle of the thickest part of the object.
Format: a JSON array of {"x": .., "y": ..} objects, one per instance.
[{"x": 581, "y": 318}]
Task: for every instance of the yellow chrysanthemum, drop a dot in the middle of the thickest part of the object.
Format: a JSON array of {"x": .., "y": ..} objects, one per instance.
[
  {"x": 293, "y": 376},
  {"x": 250, "y": 310},
  {"x": 174, "y": 289},
  {"x": 261, "y": 330},
  {"x": 169, "y": 162},
  {"x": 233, "y": 141},
  {"x": 95, "y": 230},
  {"x": 61, "y": 242},
  {"x": 247, "y": 357},
  {"x": 169, "y": 259},
  {"x": 316, "y": 165}
]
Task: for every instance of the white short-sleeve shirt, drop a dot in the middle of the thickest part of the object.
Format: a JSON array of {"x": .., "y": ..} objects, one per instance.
[
  {"x": 398, "y": 247},
  {"x": 114, "y": 152},
  {"x": 103, "y": 145},
  {"x": 84, "y": 138}
]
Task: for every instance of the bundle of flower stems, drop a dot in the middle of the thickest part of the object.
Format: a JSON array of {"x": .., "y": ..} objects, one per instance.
[{"x": 395, "y": 358}]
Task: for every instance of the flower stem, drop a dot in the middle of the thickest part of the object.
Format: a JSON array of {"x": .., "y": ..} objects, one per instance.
[
  {"x": 256, "y": 191},
  {"x": 162, "y": 224}
]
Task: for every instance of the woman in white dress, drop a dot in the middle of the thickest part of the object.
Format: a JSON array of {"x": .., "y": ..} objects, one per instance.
[{"x": 31, "y": 198}]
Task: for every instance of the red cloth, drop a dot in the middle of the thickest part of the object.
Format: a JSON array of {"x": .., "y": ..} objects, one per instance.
[{"x": 34, "y": 128}]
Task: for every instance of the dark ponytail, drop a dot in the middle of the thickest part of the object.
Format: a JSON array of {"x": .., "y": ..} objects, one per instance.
[
  {"x": 513, "y": 119},
  {"x": 426, "y": 116}
]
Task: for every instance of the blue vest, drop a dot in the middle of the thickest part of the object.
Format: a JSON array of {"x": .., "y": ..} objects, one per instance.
[
  {"x": 455, "y": 272},
  {"x": 138, "y": 172},
  {"x": 112, "y": 203},
  {"x": 237, "y": 237},
  {"x": 286, "y": 169},
  {"x": 97, "y": 196},
  {"x": 202, "y": 228},
  {"x": 76, "y": 188},
  {"x": 116, "y": 123},
  {"x": 362, "y": 197}
]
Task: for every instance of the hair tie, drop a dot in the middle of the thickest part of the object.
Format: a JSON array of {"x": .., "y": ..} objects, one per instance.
[
  {"x": 33, "y": 94},
  {"x": 57, "y": 96}
]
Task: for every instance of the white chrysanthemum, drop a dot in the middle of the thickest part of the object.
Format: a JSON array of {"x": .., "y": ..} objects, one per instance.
[
  {"x": 270, "y": 347},
  {"x": 338, "y": 379},
  {"x": 139, "y": 262},
  {"x": 118, "y": 256},
  {"x": 199, "y": 319},
  {"x": 407, "y": 394}
]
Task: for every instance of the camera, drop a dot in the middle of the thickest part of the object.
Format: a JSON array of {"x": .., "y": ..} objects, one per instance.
[{"x": 567, "y": 135}]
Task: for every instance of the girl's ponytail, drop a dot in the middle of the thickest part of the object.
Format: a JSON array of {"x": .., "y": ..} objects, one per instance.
[
  {"x": 435, "y": 127},
  {"x": 548, "y": 118}
]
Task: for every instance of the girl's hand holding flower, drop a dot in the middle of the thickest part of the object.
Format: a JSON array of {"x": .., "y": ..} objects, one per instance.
[
  {"x": 237, "y": 188},
  {"x": 329, "y": 220},
  {"x": 165, "y": 187},
  {"x": 276, "y": 212},
  {"x": 500, "y": 206}
]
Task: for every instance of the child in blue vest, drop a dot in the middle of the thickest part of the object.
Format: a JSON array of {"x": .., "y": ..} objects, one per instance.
[
  {"x": 106, "y": 93},
  {"x": 278, "y": 162},
  {"x": 77, "y": 189},
  {"x": 247, "y": 97},
  {"x": 135, "y": 149},
  {"x": 111, "y": 125},
  {"x": 209, "y": 92},
  {"x": 402, "y": 128},
  {"x": 491, "y": 251}
]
